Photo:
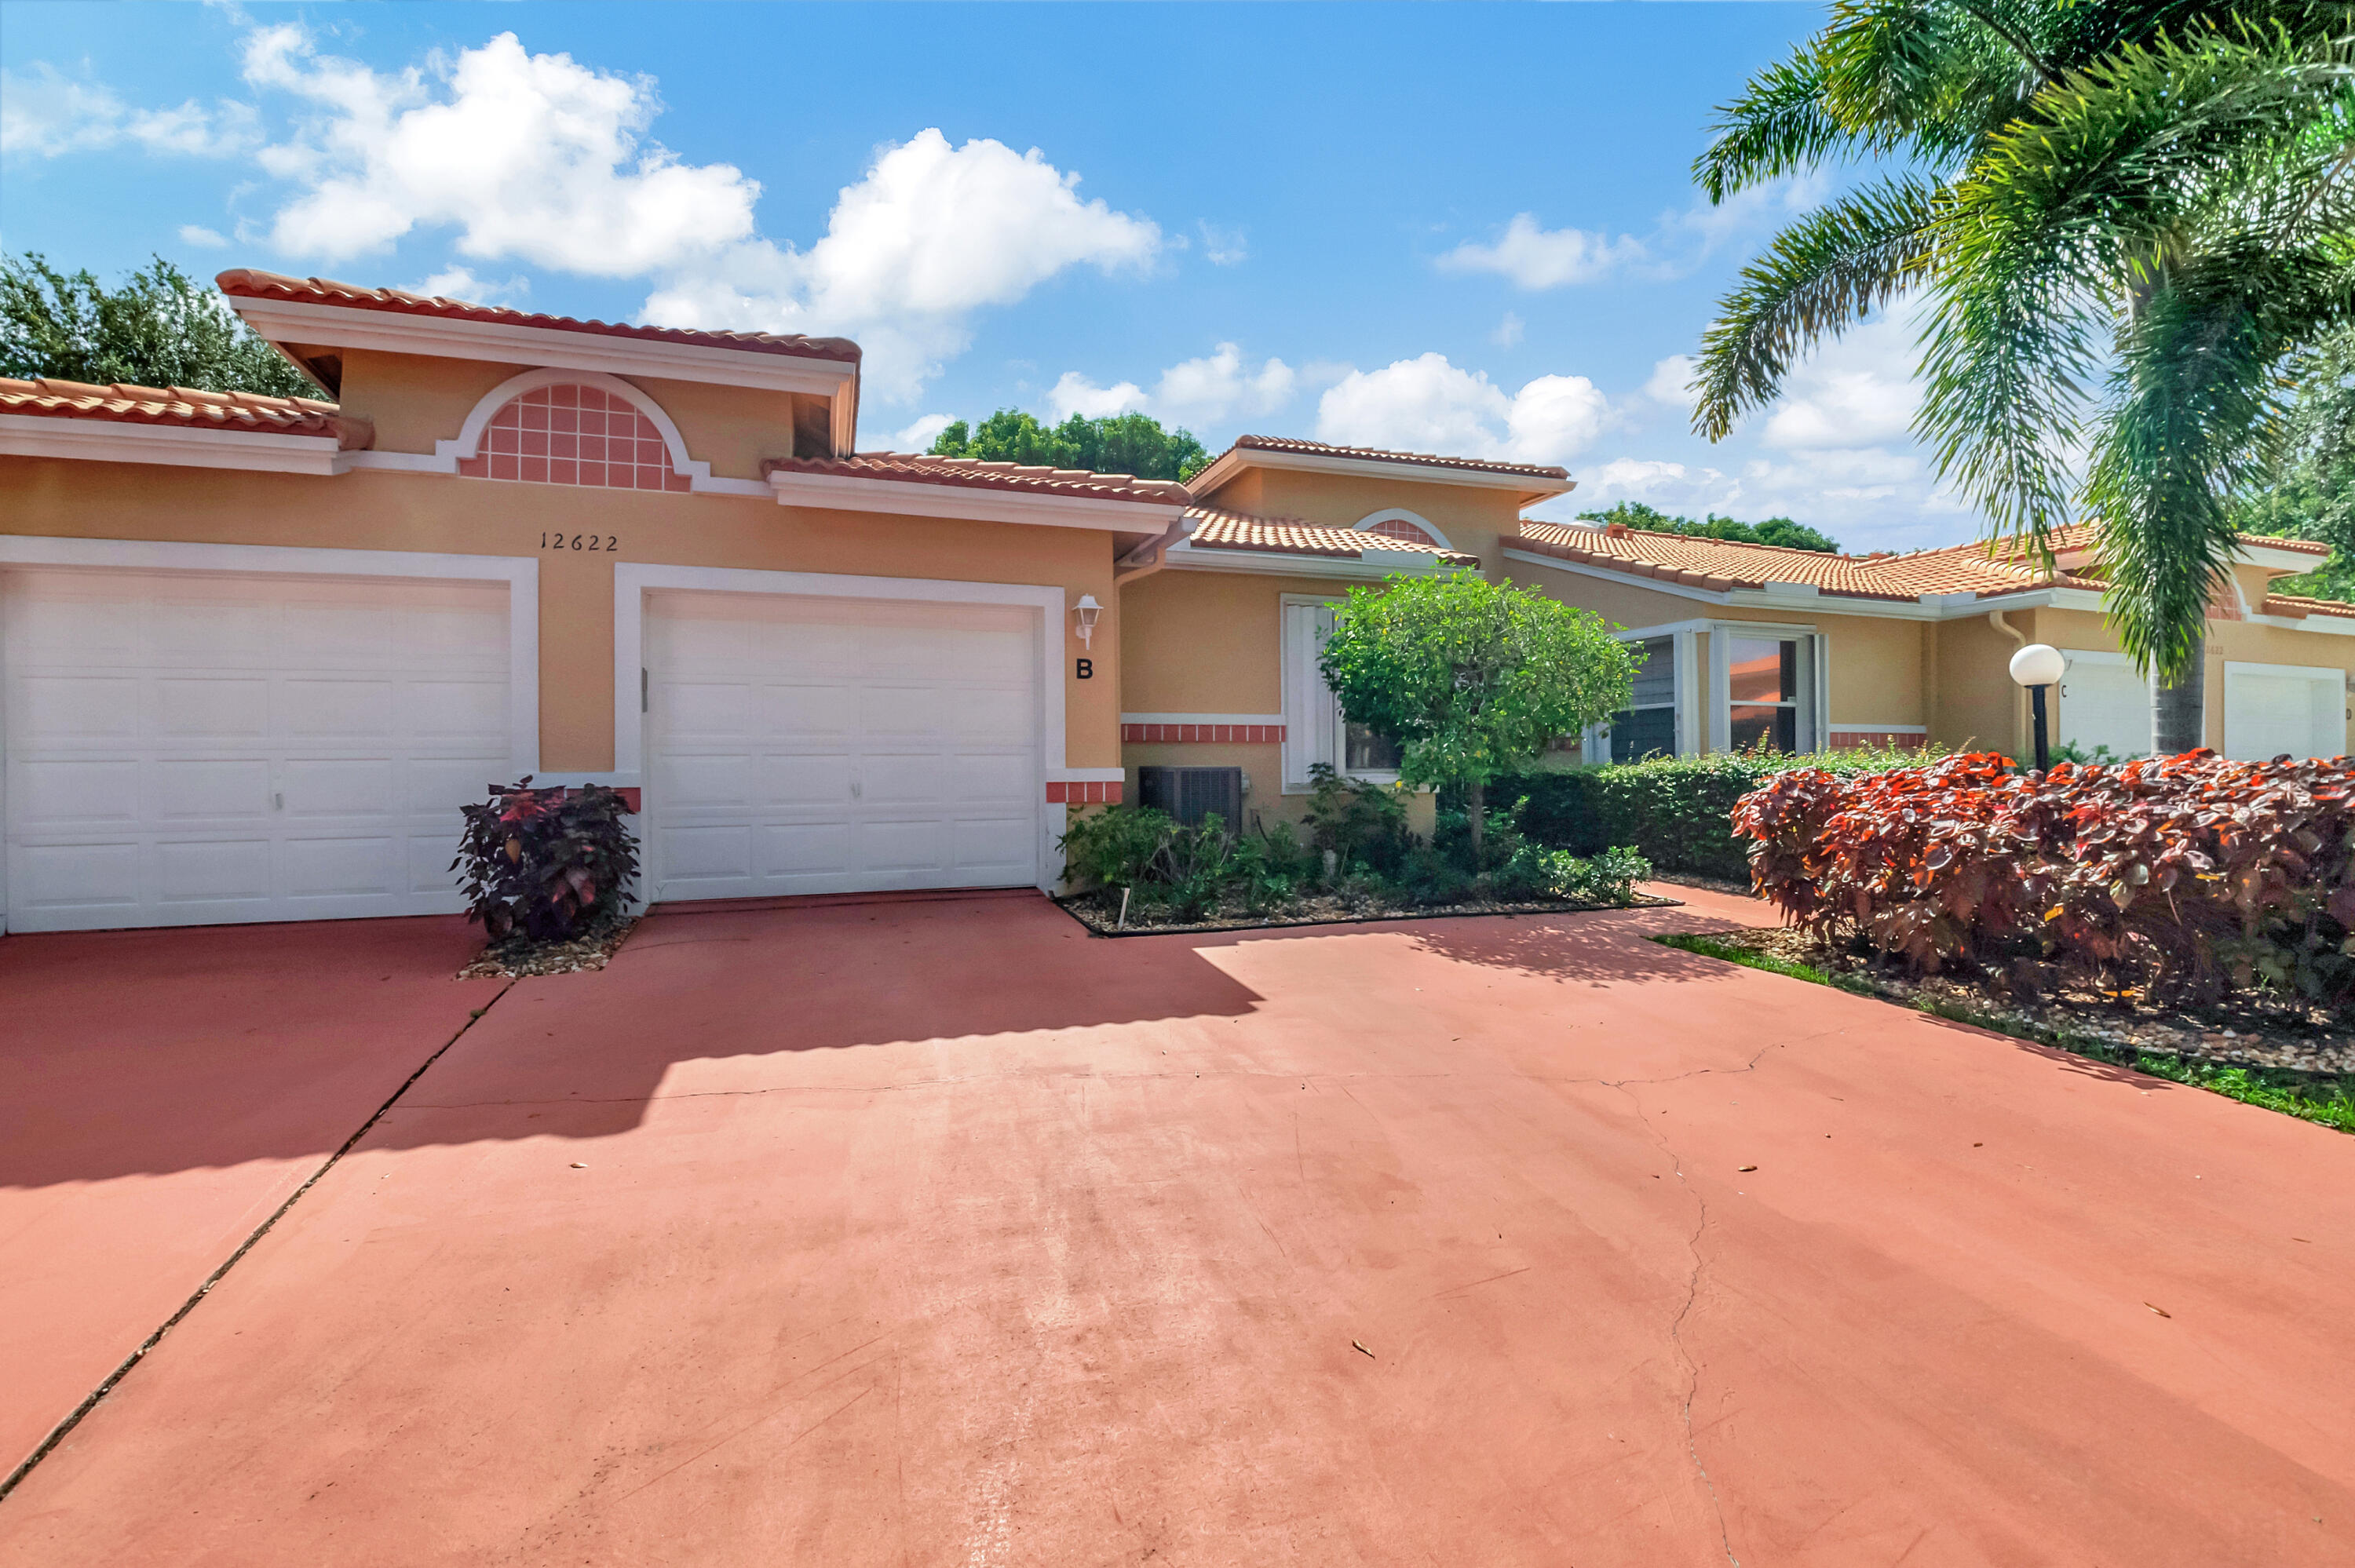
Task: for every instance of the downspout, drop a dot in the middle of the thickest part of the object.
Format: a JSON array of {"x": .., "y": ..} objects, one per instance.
[{"x": 2019, "y": 693}]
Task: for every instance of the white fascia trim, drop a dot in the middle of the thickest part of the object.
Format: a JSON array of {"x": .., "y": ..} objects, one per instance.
[
  {"x": 1235, "y": 459},
  {"x": 520, "y": 573},
  {"x": 175, "y": 446},
  {"x": 347, "y": 326},
  {"x": 915, "y": 498},
  {"x": 2328, "y": 625},
  {"x": 1372, "y": 565},
  {"x": 1401, "y": 515},
  {"x": 1262, "y": 719},
  {"x": 632, "y": 580},
  {"x": 2296, "y": 562}
]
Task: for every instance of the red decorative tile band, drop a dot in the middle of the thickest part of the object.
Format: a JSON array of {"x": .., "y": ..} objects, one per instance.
[
  {"x": 1084, "y": 792},
  {"x": 1230, "y": 734}
]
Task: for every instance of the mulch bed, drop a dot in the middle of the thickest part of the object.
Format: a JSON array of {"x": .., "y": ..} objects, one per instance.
[
  {"x": 1100, "y": 913},
  {"x": 2246, "y": 1031},
  {"x": 519, "y": 957}
]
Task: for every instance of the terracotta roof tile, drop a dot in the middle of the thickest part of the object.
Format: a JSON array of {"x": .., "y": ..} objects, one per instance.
[
  {"x": 2297, "y": 607},
  {"x": 925, "y": 469},
  {"x": 1378, "y": 454},
  {"x": 1215, "y": 528},
  {"x": 189, "y": 406},
  {"x": 247, "y": 282}
]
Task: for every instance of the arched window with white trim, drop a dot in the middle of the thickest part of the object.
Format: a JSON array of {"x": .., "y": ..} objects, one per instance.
[
  {"x": 574, "y": 433},
  {"x": 1398, "y": 523}
]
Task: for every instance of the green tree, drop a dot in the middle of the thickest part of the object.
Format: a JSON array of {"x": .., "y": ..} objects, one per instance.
[
  {"x": 161, "y": 328},
  {"x": 1471, "y": 678},
  {"x": 2312, "y": 492},
  {"x": 2149, "y": 200},
  {"x": 1120, "y": 443},
  {"x": 1772, "y": 530}
]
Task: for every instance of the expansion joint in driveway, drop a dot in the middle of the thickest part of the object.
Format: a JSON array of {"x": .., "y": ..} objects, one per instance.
[{"x": 64, "y": 1428}]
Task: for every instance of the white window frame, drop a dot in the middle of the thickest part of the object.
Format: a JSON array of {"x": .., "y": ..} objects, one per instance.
[
  {"x": 1682, "y": 653},
  {"x": 1814, "y": 704},
  {"x": 1312, "y": 737}
]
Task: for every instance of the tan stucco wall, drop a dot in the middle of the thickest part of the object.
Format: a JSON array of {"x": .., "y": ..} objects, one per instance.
[
  {"x": 2237, "y": 642},
  {"x": 1208, "y": 643},
  {"x": 375, "y": 510}
]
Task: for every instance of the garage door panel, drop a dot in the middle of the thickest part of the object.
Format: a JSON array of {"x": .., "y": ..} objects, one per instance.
[
  {"x": 2273, "y": 709},
  {"x": 66, "y": 708},
  {"x": 213, "y": 870},
  {"x": 204, "y": 709},
  {"x": 334, "y": 865},
  {"x": 711, "y": 709},
  {"x": 698, "y": 780},
  {"x": 703, "y": 853},
  {"x": 96, "y": 874},
  {"x": 76, "y": 793},
  {"x": 880, "y": 727},
  {"x": 805, "y": 849},
  {"x": 185, "y": 787},
  {"x": 807, "y": 780},
  {"x": 256, "y": 747}
]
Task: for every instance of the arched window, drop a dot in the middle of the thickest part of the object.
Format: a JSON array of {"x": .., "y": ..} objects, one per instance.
[
  {"x": 1398, "y": 523},
  {"x": 573, "y": 434}
]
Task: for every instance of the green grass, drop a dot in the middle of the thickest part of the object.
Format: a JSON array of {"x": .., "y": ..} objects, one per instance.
[{"x": 2326, "y": 1099}]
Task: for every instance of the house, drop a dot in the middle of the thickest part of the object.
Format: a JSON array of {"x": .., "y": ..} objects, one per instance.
[{"x": 255, "y": 651}]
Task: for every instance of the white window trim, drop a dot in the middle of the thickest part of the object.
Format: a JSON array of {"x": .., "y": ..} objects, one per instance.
[
  {"x": 1401, "y": 515},
  {"x": 1814, "y": 731},
  {"x": 172, "y": 446},
  {"x": 634, "y": 580},
  {"x": 1294, "y": 780},
  {"x": 520, "y": 573}
]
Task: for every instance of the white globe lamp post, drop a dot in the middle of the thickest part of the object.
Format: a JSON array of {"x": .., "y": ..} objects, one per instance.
[{"x": 2037, "y": 666}]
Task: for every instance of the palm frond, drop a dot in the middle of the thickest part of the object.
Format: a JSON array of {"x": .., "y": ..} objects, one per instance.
[{"x": 1824, "y": 273}]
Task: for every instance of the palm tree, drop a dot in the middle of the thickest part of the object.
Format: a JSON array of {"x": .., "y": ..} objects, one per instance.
[{"x": 2131, "y": 224}]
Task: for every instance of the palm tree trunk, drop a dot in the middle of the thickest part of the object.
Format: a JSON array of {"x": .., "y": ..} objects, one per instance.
[{"x": 2178, "y": 712}]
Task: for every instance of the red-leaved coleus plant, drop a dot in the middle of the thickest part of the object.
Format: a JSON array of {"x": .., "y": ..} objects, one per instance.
[{"x": 2190, "y": 872}]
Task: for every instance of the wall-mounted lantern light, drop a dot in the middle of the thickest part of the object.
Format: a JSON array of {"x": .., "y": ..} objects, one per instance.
[
  {"x": 1087, "y": 609},
  {"x": 2037, "y": 666}
]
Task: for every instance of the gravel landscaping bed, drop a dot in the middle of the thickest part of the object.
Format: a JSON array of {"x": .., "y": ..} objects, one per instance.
[
  {"x": 518, "y": 957},
  {"x": 1100, "y": 911},
  {"x": 2240, "y": 1030}
]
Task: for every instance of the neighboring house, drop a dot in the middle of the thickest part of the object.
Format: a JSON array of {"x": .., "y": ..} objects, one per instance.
[{"x": 254, "y": 652}]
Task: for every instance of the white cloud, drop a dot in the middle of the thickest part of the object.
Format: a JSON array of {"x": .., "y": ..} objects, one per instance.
[
  {"x": 197, "y": 234},
  {"x": 931, "y": 235},
  {"x": 919, "y": 435},
  {"x": 1509, "y": 330},
  {"x": 459, "y": 283},
  {"x": 1426, "y": 404},
  {"x": 1855, "y": 391},
  {"x": 46, "y": 114},
  {"x": 533, "y": 157},
  {"x": 1537, "y": 258},
  {"x": 1223, "y": 247},
  {"x": 1671, "y": 382},
  {"x": 1210, "y": 390}
]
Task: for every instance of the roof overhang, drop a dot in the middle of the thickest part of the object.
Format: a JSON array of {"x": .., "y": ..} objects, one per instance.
[
  {"x": 173, "y": 446},
  {"x": 973, "y": 504},
  {"x": 1369, "y": 566},
  {"x": 1796, "y": 596},
  {"x": 310, "y": 323},
  {"x": 1236, "y": 460},
  {"x": 2277, "y": 559}
]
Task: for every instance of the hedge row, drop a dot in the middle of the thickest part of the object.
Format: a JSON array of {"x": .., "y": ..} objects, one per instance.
[{"x": 1676, "y": 811}]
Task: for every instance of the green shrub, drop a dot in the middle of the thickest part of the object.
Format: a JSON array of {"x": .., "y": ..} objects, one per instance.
[
  {"x": 1675, "y": 811},
  {"x": 1361, "y": 825}
]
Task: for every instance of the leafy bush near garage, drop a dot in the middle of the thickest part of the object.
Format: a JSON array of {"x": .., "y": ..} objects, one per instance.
[
  {"x": 2183, "y": 875},
  {"x": 545, "y": 863},
  {"x": 1676, "y": 811}
]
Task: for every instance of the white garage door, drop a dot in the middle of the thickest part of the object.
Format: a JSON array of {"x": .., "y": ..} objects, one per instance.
[
  {"x": 2270, "y": 709},
  {"x": 812, "y": 744},
  {"x": 2104, "y": 703},
  {"x": 190, "y": 748}
]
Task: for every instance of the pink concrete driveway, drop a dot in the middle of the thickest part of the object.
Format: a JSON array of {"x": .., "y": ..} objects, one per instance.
[{"x": 941, "y": 1234}]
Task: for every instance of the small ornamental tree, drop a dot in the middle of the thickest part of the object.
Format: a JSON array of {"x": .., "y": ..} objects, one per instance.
[{"x": 1470, "y": 678}]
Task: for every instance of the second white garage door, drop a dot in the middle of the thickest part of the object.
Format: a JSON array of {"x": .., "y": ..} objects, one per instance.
[
  {"x": 2270, "y": 709},
  {"x": 812, "y": 744}
]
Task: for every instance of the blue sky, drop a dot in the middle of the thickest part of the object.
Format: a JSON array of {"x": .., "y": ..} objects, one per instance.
[{"x": 1464, "y": 229}]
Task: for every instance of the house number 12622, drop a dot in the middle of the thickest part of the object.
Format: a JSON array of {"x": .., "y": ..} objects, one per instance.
[{"x": 563, "y": 541}]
